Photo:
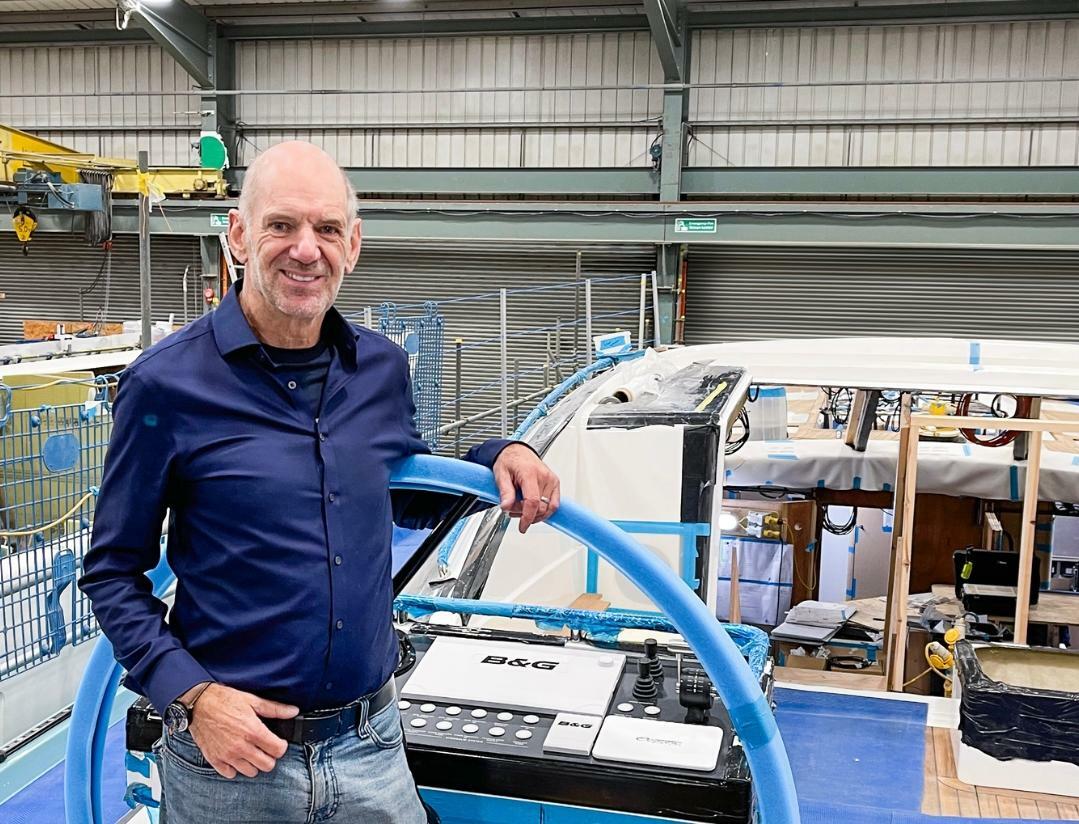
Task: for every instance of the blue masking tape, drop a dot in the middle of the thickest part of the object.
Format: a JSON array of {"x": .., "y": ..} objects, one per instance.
[
  {"x": 1013, "y": 479},
  {"x": 886, "y": 487},
  {"x": 741, "y": 580},
  {"x": 812, "y": 545},
  {"x": 967, "y": 449},
  {"x": 746, "y": 719},
  {"x": 777, "y": 456},
  {"x": 1075, "y": 460},
  {"x": 820, "y": 484},
  {"x": 975, "y": 355},
  {"x": 771, "y": 392},
  {"x": 857, "y": 482}
]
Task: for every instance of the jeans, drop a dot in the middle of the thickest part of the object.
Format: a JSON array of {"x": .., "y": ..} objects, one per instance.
[{"x": 359, "y": 777}]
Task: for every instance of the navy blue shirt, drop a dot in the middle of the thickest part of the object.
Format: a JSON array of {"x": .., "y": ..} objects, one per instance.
[{"x": 279, "y": 522}]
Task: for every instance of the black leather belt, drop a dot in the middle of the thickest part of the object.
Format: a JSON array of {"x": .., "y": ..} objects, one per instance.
[{"x": 323, "y": 725}]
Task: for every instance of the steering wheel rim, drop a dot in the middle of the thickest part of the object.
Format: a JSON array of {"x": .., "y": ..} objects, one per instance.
[{"x": 750, "y": 714}]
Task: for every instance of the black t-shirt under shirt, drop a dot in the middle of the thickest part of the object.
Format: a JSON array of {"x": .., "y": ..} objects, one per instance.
[{"x": 303, "y": 371}]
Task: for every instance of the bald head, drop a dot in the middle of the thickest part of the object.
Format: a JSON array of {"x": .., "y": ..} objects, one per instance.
[
  {"x": 292, "y": 160},
  {"x": 297, "y": 234}
]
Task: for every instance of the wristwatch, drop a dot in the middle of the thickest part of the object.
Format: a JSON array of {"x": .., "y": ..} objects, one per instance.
[{"x": 177, "y": 716}]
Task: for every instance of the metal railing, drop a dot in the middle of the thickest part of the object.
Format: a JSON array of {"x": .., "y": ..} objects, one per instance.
[{"x": 53, "y": 435}]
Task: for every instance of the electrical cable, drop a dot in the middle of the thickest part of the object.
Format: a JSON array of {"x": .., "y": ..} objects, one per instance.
[
  {"x": 1004, "y": 437},
  {"x": 734, "y": 446},
  {"x": 846, "y": 528}
]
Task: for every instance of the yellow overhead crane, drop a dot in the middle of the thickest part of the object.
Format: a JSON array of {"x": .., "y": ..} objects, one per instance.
[
  {"x": 22, "y": 150},
  {"x": 39, "y": 174}
]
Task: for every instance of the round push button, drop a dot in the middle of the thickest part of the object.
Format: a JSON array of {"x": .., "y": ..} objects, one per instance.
[
  {"x": 531, "y": 719},
  {"x": 478, "y": 713},
  {"x": 651, "y": 710},
  {"x": 453, "y": 710},
  {"x": 444, "y": 725},
  {"x": 403, "y": 705},
  {"x": 470, "y": 728},
  {"x": 418, "y": 722},
  {"x": 505, "y": 716},
  {"x": 625, "y": 707},
  {"x": 497, "y": 732},
  {"x": 523, "y": 735},
  {"x": 427, "y": 708}
]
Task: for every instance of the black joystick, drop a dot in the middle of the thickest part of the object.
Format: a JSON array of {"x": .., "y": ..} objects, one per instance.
[
  {"x": 695, "y": 694},
  {"x": 644, "y": 688},
  {"x": 651, "y": 654}
]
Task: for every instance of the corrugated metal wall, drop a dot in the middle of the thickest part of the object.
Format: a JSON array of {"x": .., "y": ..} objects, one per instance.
[
  {"x": 108, "y": 100},
  {"x": 419, "y": 110},
  {"x": 881, "y": 96},
  {"x": 46, "y": 284},
  {"x": 887, "y": 95},
  {"x": 751, "y": 293},
  {"x": 409, "y": 273}
]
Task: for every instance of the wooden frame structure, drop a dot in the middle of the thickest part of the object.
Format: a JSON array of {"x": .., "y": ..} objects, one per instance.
[{"x": 906, "y": 486}]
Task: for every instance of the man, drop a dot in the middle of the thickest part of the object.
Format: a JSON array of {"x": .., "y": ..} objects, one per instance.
[{"x": 267, "y": 430}]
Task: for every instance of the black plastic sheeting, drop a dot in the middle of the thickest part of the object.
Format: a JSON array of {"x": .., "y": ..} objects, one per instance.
[{"x": 1006, "y": 721}]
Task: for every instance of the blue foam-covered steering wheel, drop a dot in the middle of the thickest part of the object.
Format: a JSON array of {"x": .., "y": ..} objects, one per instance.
[{"x": 734, "y": 681}]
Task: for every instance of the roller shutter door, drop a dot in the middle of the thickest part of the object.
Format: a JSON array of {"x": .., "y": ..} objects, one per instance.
[
  {"x": 47, "y": 283},
  {"x": 749, "y": 293}
]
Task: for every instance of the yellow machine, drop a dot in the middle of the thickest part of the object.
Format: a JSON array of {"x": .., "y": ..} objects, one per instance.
[{"x": 22, "y": 150}]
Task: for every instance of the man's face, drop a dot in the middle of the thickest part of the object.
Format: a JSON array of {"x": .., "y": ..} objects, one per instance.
[{"x": 298, "y": 241}]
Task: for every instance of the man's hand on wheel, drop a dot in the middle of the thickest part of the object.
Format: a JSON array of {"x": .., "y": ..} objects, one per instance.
[{"x": 227, "y": 726}]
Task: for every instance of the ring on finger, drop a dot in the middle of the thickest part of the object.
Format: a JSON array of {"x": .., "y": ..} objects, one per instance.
[{"x": 545, "y": 499}]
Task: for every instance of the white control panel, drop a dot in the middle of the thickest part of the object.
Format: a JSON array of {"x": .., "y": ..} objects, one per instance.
[
  {"x": 515, "y": 676},
  {"x": 658, "y": 743}
]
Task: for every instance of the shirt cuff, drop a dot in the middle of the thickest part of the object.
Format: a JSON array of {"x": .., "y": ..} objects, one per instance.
[
  {"x": 174, "y": 674},
  {"x": 487, "y": 452}
]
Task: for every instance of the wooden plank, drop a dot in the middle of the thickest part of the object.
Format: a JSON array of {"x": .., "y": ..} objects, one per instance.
[
  {"x": 40, "y": 329},
  {"x": 822, "y": 678},
  {"x": 930, "y": 786},
  {"x": 1048, "y": 810},
  {"x": 942, "y": 748},
  {"x": 1068, "y": 812},
  {"x": 1026, "y": 541},
  {"x": 895, "y": 606},
  {"x": 1028, "y": 809},
  {"x": 968, "y": 802},
  {"x": 997, "y": 424},
  {"x": 1008, "y": 807},
  {"x": 734, "y": 611},
  {"x": 987, "y": 804},
  {"x": 897, "y": 658}
]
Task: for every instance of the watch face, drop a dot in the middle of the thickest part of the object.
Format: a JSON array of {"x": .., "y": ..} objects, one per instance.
[{"x": 175, "y": 718}]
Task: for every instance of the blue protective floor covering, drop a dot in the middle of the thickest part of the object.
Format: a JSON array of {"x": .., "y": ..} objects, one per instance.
[
  {"x": 858, "y": 760},
  {"x": 43, "y": 801},
  {"x": 852, "y": 750}
]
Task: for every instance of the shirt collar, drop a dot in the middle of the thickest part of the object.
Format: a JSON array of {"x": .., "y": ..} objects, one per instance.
[{"x": 232, "y": 332}]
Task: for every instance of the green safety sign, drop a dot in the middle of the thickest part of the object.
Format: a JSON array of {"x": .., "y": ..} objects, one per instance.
[
  {"x": 695, "y": 225},
  {"x": 221, "y": 221}
]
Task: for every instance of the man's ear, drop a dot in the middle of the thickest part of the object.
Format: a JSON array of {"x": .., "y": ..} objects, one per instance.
[
  {"x": 236, "y": 235},
  {"x": 355, "y": 236}
]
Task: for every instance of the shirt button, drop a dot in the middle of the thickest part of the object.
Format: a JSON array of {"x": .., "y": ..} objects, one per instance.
[
  {"x": 292, "y": 384},
  {"x": 322, "y": 436},
  {"x": 337, "y": 559},
  {"x": 340, "y": 624},
  {"x": 332, "y": 496}
]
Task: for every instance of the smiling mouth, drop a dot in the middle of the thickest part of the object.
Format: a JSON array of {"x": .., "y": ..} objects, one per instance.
[{"x": 295, "y": 278}]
